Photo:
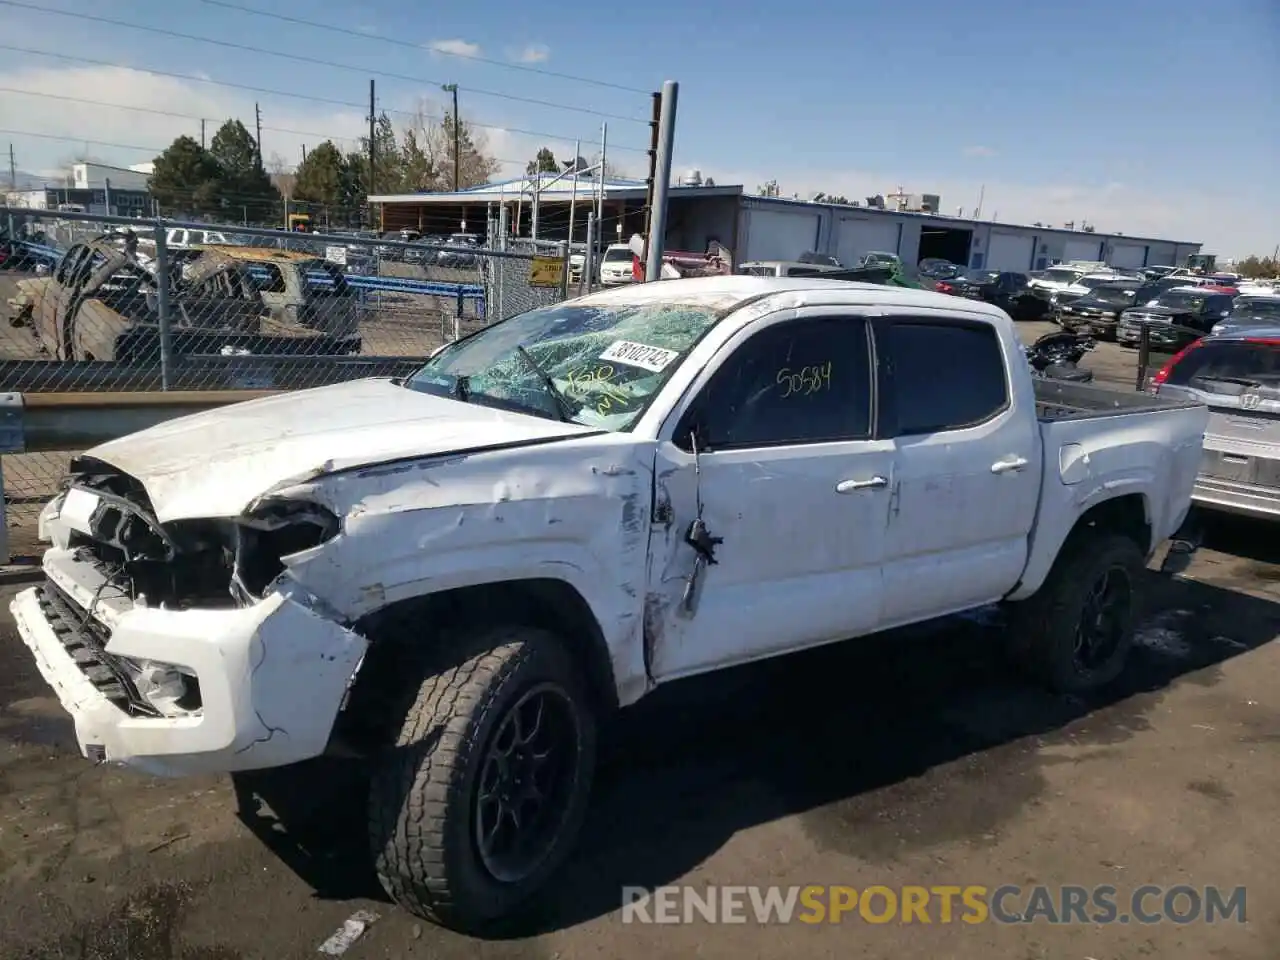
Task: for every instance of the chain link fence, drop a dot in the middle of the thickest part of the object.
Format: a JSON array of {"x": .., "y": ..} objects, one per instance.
[{"x": 114, "y": 304}]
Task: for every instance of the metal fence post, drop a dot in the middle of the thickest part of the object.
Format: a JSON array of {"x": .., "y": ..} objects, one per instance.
[
  {"x": 564, "y": 271},
  {"x": 162, "y": 307},
  {"x": 1144, "y": 356},
  {"x": 496, "y": 311},
  {"x": 457, "y": 318},
  {"x": 589, "y": 260}
]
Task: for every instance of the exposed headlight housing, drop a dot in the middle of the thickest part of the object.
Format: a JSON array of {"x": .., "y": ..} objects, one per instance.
[{"x": 273, "y": 532}]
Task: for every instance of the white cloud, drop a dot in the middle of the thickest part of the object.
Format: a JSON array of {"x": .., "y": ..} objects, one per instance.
[
  {"x": 532, "y": 53},
  {"x": 979, "y": 151},
  {"x": 1226, "y": 224},
  {"x": 109, "y": 134},
  {"x": 455, "y": 48}
]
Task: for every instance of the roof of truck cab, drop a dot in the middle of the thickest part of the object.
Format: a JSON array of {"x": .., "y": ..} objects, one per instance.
[{"x": 727, "y": 293}]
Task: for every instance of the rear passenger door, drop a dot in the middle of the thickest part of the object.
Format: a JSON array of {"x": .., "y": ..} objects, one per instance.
[{"x": 966, "y": 471}]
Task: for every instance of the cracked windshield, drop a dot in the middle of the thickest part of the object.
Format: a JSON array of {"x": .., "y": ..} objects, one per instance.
[{"x": 594, "y": 365}]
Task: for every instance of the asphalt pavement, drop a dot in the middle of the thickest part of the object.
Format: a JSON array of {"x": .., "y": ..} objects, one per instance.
[{"x": 913, "y": 758}]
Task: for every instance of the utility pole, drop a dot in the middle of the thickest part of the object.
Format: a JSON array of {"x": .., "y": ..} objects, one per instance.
[
  {"x": 662, "y": 181},
  {"x": 202, "y": 145},
  {"x": 304, "y": 153},
  {"x": 651, "y": 177},
  {"x": 257, "y": 120},
  {"x": 372, "y": 150},
  {"x": 13, "y": 170},
  {"x": 457, "y": 132}
]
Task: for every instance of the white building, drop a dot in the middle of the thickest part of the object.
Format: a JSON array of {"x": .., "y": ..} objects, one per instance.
[
  {"x": 97, "y": 176},
  {"x": 773, "y": 228}
]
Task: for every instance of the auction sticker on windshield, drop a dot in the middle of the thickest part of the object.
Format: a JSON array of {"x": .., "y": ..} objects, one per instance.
[{"x": 639, "y": 355}]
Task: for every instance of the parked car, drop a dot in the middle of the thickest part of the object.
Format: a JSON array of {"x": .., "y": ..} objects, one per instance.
[
  {"x": 388, "y": 252},
  {"x": 1175, "y": 318},
  {"x": 879, "y": 258},
  {"x": 1251, "y": 311},
  {"x": 617, "y": 265},
  {"x": 1086, "y": 285},
  {"x": 1007, "y": 290},
  {"x": 1237, "y": 374},
  {"x": 459, "y": 258},
  {"x": 785, "y": 268},
  {"x": 935, "y": 268},
  {"x": 607, "y": 487},
  {"x": 1099, "y": 311}
]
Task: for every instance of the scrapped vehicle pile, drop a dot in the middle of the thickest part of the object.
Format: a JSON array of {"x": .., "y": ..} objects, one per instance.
[{"x": 101, "y": 302}]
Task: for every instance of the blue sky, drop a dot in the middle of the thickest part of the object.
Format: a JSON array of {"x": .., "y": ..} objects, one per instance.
[{"x": 1154, "y": 118}]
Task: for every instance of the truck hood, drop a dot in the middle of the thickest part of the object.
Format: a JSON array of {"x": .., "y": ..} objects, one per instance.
[{"x": 216, "y": 463}]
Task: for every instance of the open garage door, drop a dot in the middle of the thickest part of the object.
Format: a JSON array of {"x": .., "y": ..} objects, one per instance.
[
  {"x": 858, "y": 236},
  {"x": 1010, "y": 251},
  {"x": 1128, "y": 255},
  {"x": 1078, "y": 248},
  {"x": 779, "y": 234}
]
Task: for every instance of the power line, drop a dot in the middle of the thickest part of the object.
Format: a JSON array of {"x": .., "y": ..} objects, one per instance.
[
  {"x": 542, "y": 134},
  {"x": 344, "y": 31},
  {"x": 313, "y": 61}
]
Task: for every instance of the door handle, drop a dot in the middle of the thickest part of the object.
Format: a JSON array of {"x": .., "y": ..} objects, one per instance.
[
  {"x": 852, "y": 486},
  {"x": 1011, "y": 465}
]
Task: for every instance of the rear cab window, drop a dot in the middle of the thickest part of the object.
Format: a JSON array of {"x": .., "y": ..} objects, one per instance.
[{"x": 942, "y": 375}]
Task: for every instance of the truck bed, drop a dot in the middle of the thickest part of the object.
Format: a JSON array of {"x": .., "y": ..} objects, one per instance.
[{"x": 1059, "y": 400}]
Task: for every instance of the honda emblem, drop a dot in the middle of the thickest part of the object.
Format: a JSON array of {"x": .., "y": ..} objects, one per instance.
[{"x": 1250, "y": 401}]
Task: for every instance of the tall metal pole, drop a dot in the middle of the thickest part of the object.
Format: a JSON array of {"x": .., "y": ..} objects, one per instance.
[
  {"x": 373, "y": 158},
  {"x": 662, "y": 181},
  {"x": 457, "y": 133},
  {"x": 573, "y": 195},
  {"x": 106, "y": 195},
  {"x": 588, "y": 261},
  {"x": 257, "y": 122},
  {"x": 202, "y": 143},
  {"x": 604, "y": 146},
  {"x": 13, "y": 170}
]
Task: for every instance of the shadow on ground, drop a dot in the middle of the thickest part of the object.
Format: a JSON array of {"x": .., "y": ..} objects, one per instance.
[{"x": 896, "y": 744}]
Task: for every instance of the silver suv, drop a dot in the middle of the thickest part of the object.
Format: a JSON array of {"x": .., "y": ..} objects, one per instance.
[{"x": 1237, "y": 374}]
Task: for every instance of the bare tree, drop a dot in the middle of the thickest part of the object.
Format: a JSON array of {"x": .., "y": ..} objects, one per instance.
[
  {"x": 282, "y": 176},
  {"x": 432, "y": 129}
]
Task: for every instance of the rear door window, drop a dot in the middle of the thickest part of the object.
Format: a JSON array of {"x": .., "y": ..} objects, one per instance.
[{"x": 943, "y": 375}]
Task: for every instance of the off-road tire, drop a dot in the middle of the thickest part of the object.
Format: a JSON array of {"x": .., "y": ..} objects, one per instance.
[
  {"x": 1042, "y": 628},
  {"x": 422, "y": 793}
]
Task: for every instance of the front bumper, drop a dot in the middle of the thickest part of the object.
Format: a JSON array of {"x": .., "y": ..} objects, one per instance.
[{"x": 272, "y": 676}]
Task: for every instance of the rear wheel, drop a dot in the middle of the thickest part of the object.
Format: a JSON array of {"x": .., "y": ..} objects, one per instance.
[
  {"x": 1074, "y": 634},
  {"x": 484, "y": 793}
]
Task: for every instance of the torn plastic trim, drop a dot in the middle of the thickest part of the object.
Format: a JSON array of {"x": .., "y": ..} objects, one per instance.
[{"x": 273, "y": 531}]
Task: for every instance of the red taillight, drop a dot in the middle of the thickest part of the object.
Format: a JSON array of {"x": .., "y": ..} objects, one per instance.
[
  {"x": 1269, "y": 341},
  {"x": 942, "y": 287},
  {"x": 1163, "y": 373}
]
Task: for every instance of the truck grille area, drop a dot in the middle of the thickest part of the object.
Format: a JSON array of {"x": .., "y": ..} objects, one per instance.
[{"x": 85, "y": 640}]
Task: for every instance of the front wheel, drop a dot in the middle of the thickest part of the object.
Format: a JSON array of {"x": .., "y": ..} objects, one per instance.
[
  {"x": 1074, "y": 634},
  {"x": 486, "y": 788}
]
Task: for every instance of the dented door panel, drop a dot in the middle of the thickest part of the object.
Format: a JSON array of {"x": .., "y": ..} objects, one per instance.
[{"x": 799, "y": 563}]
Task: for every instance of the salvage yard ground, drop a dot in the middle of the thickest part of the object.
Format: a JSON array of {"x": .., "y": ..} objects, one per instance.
[{"x": 909, "y": 759}]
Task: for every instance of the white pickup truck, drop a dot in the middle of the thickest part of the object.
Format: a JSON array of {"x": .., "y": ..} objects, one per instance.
[{"x": 459, "y": 574}]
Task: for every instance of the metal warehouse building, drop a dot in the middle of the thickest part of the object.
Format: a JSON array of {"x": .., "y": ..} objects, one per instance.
[{"x": 769, "y": 228}]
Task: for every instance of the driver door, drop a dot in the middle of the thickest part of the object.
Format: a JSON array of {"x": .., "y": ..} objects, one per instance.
[{"x": 783, "y": 465}]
